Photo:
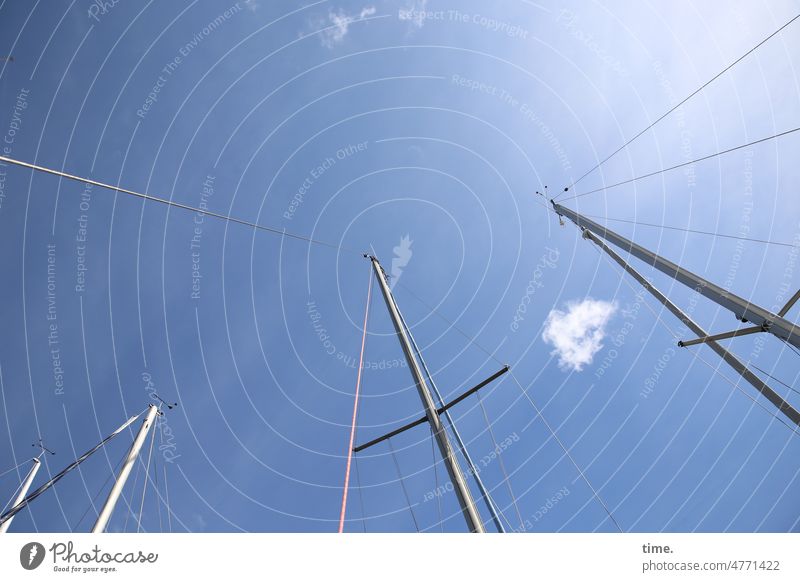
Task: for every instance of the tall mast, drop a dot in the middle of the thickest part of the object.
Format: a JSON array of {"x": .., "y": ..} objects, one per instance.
[
  {"x": 23, "y": 491},
  {"x": 463, "y": 494},
  {"x": 743, "y": 309},
  {"x": 130, "y": 459}
]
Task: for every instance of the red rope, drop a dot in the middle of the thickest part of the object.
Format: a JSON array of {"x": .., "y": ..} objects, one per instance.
[{"x": 355, "y": 407}]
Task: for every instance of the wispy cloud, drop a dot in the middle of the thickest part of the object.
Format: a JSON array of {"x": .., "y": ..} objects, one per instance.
[
  {"x": 414, "y": 12},
  {"x": 578, "y": 333},
  {"x": 341, "y": 25}
]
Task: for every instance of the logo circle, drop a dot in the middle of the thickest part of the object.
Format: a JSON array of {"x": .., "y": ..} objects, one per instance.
[{"x": 31, "y": 555}]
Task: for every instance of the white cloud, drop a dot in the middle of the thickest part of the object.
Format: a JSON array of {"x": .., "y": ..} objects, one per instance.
[
  {"x": 578, "y": 333},
  {"x": 341, "y": 25},
  {"x": 414, "y": 12}
]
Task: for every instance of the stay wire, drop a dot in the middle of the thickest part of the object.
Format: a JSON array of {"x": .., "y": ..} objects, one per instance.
[
  {"x": 19, "y": 486},
  {"x": 709, "y": 233},
  {"x": 682, "y": 164},
  {"x": 695, "y": 92},
  {"x": 360, "y": 494},
  {"x": 500, "y": 459},
  {"x": 430, "y": 308},
  {"x": 13, "y": 496},
  {"x": 403, "y": 484},
  {"x": 174, "y": 204},
  {"x": 4, "y": 473},
  {"x": 128, "y": 513},
  {"x": 791, "y": 347},
  {"x": 166, "y": 493},
  {"x": 776, "y": 379},
  {"x": 146, "y": 477},
  {"x": 716, "y": 370},
  {"x": 99, "y": 491},
  {"x": 566, "y": 452},
  {"x": 159, "y": 498},
  {"x": 436, "y": 481}
]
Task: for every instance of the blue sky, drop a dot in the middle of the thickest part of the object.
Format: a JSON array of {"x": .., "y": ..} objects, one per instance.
[{"x": 358, "y": 124}]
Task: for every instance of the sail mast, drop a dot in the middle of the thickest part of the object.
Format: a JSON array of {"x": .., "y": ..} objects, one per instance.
[{"x": 463, "y": 494}]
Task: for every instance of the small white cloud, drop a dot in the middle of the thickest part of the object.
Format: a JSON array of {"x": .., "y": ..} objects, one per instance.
[
  {"x": 578, "y": 333},
  {"x": 414, "y": 12},
  {"x": 341, "y": 25}
]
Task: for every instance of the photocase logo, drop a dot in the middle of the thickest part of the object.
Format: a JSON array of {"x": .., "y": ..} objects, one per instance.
[
  {"x": 402, "y": 255},
  {"x": 31, "y": 555}
]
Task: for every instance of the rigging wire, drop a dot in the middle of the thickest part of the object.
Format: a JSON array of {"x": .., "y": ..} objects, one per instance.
[
  {"x": 714, "y": 234},
  {"x": 776, "y": 379},
  {"x": 682, "y": 164},
  {"x": 133, "y": 489},
  {"x": 13, "y": 496},
  {"x": 794, "y": 349},
  {"x": 436, "y": 482},
  {"x": 165, "y": 498},
  {"x": 360, "y": 495},
  {"x": 695, "y": 92},
  {"x": 96, "y": 495},
  {"x": 430, "y": 308},
  {"x": 166, "y": 493},
  {"x": 174, "y": 204},
  {"x": 19, "y": 486},
  {"x": 355, "y": 404},
  {"x": 500, "y": 459},
  {"x": 159, "y": 498},
  {"x": 146, "y": 479},
  {"x": 4, "y": 473},
  {"x": 403, "y": 485},
  {"x": 566, "y": 452},
  {"x": 716, "y": 370}
]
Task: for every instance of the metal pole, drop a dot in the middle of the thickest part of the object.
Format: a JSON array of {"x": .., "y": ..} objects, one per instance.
[
  {"x": 26, "y": 484},
  {"x": 130, "y": 459},
  {"x": 463, "y": 494},
  {"x": 731, "y": 360},
  {"x": 741, "y": 308}
]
